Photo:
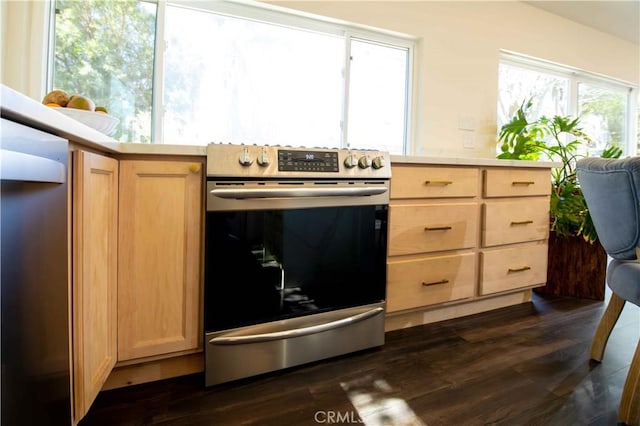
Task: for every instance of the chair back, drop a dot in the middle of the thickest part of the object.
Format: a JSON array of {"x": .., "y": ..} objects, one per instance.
[{"x": 611, "y": 189}]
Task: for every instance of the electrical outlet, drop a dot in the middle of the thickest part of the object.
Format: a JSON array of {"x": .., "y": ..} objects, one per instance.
[
  {"x": 468, "y": 139},
  {"x": 466, "y": 122}
]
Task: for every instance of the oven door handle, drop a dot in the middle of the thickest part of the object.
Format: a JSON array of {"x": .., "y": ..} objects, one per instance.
[
  {"x": 297, "y": 332},
  {"x": 249, "y": 193}
]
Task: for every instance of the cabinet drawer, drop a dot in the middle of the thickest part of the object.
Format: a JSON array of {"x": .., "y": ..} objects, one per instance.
[
  {"x": 422, "y": 282},
  {"x": 421, "y": 228},
  {"x": 516, "y": 267},
  {"x": 516, "y": 182},
  {"x": 433, "y": 182},
  {"x": 515, "y": 221}
]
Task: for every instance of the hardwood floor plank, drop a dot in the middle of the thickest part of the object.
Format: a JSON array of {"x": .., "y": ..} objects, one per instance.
[{"x": 522, "y": 365}]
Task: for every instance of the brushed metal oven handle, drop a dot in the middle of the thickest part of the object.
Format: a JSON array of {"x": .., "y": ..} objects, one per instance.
[
  {"x": 249, "y": 193},
  {"x": 297, "y": 332}
]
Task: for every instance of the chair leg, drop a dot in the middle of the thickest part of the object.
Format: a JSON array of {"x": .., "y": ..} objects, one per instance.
[
  {"x": 630, "y": 401},
  {"x": 605, "y": 326}
]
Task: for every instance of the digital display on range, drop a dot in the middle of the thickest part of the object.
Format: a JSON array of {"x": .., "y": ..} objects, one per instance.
[{"x": 307, "y": 161}]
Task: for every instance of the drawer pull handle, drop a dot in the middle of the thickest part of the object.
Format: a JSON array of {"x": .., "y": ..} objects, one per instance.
[
  {"x": 445, "y": 281},
  {"x": 523, "y": 182},
  {"x": 437, "y": 228},
  {"x": 438, "y": 182},
  {"x": 522, "y": 222},
  {"x": 524, "y": 268}
]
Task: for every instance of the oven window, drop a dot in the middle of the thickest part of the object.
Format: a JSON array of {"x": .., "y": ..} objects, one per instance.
[{"x": 270, "y": 265}]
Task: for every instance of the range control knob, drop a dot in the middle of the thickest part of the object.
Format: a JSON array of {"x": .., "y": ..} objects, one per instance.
[
  {"x": 378, "y": 162},
  {"x": 364, "y": 162},
  {"x": 263, "y": 158},
  {"x": 351, "y": 161},
  {"x": 245, "y": 158}
]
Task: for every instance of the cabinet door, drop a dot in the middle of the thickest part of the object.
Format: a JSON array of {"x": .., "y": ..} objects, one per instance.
[
  {"x": 516, "y": 182},
  {"x": 422, "y": 228},
  {"x": 159, "y": 266},
  {"x": 514, "y": 267},
  {"x": 416, "y": 283},
  {"x": 94, "y": 299},
  {"x": 516, "y": 220},
  {"x": 433, "y": 182}
]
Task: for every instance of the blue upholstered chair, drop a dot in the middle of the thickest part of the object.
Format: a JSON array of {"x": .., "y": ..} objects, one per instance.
[{"x": 612, "y": 191}]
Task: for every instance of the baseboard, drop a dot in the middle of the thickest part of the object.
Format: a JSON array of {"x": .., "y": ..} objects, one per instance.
[
  {"x": 154, "y": 370},
  {"x": 429, "y": 315}
]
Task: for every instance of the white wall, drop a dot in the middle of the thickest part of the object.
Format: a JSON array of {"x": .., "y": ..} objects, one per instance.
[
  {"x": 459, "y": 51},
  {"x": 458, "y": 56},
  {"x": 24, "y": 45}
]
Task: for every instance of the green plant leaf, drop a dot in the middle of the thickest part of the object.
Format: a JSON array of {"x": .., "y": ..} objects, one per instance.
[
  {"x": 557, "y": 139},
  {"x": 612, "y": 152}
]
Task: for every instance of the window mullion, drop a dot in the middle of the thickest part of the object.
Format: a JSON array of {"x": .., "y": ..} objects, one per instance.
[
  {"x": 345, "y": 99},
  {"x": 157, "y": 109},
  {"x": 632, "y": 122},
  {"x": 410, "y": 90},
  {"x": 572, "y": 97},
  {"x": 51, "y": 45}
]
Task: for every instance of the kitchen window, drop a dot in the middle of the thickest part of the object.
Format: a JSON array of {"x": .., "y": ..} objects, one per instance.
[
  {"x": 183, "y": 72},
  {"x": 608, "y": 108},
  {"x": 105, "y": 50}
]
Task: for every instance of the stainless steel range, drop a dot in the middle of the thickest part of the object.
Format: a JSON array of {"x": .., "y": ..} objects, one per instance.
[{"x": 296, "y": 243}]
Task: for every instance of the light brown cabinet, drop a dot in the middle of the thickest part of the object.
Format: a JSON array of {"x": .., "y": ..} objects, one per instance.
[
  {"x": 514, "y": 221},
  {"x": 514, "y": 267},
  {"x": 159, "y": 268},
  {"x": 422, "y": 228},
  {"x": 430, "y": 280},
  {"x": 515, "y": 229},
  {"x": 434, "y": 182},
  {"x": 433, "y": 226},
  {"x": 94, "y": 275},
  {"x": 463, "y": 239},
  {"x": 515, "y": 182}
]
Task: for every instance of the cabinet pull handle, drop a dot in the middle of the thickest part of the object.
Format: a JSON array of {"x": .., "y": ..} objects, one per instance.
[
  {"x": 194, "y": 168},
  {"x": 437, "y": 228},
  {"x": 522, "y": 222},
  {"x": 524, "y": 268},
  {"x": 444, "y": 281},
  {"x": 522, "y": 182},
  {"x": 438, "y": 182}
]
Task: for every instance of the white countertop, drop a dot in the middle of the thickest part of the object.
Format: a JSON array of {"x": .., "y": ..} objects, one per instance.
[
  {"x": 19, "y": 108},
  {"x": 462, "y": 161}
]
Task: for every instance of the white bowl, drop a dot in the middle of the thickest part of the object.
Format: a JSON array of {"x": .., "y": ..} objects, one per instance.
[{"x": 102, "y": 122}]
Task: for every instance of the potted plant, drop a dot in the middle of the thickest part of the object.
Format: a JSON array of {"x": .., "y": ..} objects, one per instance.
[{"x": 576, "y": 260}]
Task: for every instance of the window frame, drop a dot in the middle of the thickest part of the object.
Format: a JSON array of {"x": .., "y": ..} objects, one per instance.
[
  {"x": 576, "y": 76},
  {"x": 292, "y": 19}
]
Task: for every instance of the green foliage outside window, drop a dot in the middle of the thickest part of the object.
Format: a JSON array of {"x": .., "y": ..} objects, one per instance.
[{"x": 104, "y": 49}]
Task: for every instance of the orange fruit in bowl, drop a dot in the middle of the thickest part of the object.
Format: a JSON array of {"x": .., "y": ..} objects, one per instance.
[
  {"x": 81, "y": 102},
  {"x": 53, "y": 105}
]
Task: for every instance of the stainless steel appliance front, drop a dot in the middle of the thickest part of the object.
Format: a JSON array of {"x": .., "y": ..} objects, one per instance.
[
  {"x": 34, "y": 280},
  {"x": 295, "y": 266}
]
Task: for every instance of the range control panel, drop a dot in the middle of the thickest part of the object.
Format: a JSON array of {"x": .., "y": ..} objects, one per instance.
[
  {"x": 280, "y": 162},
  {"x": 307, "y": 161}
]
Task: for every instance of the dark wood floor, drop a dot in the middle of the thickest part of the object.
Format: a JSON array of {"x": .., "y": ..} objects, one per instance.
[{"x": 522, "y": 365}]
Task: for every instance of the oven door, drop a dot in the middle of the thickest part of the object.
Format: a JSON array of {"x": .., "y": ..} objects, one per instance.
[
  {"x": 268, "y": 265},
  {"x": 295, "y": 272}
]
